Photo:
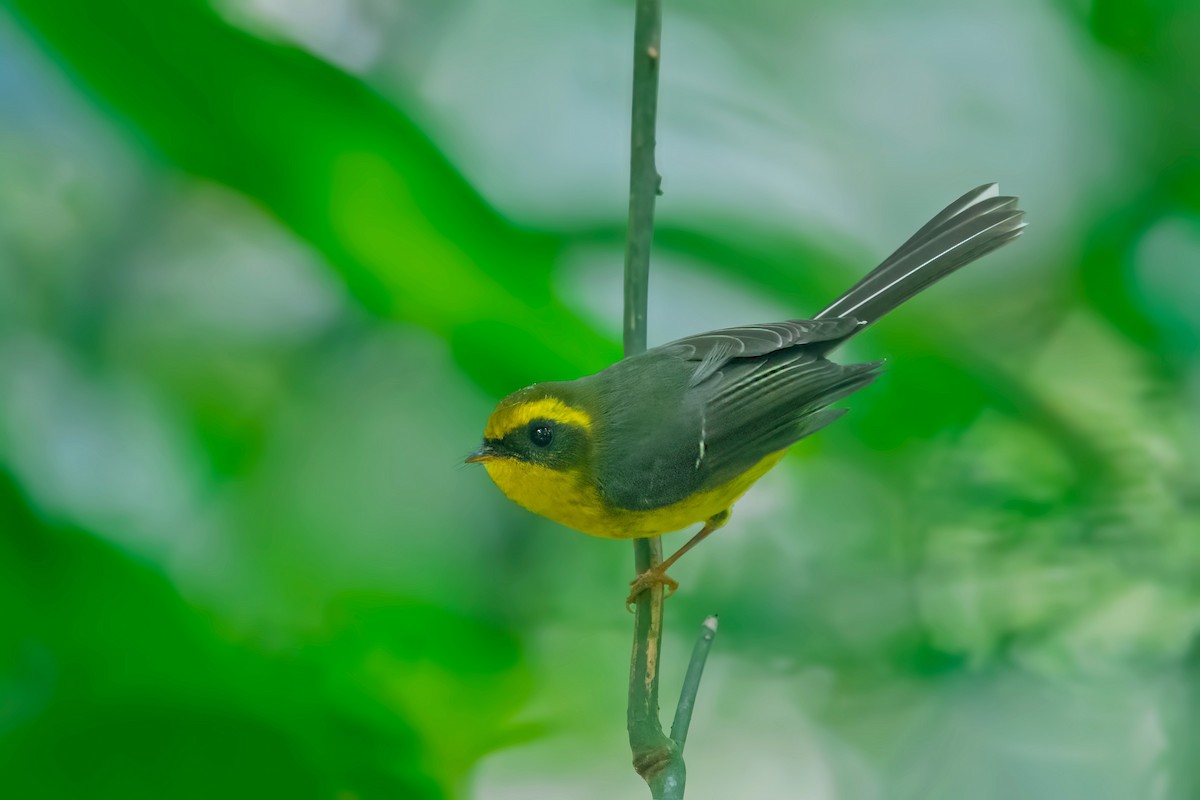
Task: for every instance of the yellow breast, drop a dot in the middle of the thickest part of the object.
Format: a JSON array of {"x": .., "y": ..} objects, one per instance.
[{"x": 569, "y": 499}]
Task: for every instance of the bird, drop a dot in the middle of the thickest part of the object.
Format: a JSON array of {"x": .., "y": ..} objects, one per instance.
[{"x": 675, "y": 435}]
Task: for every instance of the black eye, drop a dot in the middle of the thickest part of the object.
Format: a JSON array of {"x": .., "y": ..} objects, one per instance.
[{"x": 541, "y": 434}]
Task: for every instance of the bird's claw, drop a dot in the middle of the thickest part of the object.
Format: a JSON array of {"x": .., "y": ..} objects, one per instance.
[{"x": 647, "y": 580}]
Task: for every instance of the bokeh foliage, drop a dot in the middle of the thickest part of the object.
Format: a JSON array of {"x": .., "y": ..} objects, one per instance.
[{"x": 264, "y": 267}]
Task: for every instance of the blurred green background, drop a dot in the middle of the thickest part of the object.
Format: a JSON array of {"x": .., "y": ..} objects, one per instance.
[{"x": 265, "y": 266}]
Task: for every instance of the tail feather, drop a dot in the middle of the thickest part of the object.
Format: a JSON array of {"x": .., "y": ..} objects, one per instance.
[{"x": 973, "y": 225}]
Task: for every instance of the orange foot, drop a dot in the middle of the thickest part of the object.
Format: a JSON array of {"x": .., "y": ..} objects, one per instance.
[{"x": 655, "y": 576}]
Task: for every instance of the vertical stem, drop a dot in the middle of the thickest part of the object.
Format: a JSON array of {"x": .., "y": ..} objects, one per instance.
[
  {"x": 644, "y": 179},
  {"x": 655, "y": 756}
]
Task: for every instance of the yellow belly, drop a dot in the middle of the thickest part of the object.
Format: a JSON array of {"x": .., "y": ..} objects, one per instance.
[{"x": 567, "y": 498}]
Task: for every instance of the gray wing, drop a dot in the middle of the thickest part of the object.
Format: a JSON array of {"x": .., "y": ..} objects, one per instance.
[
  {"x": 715, "y": 348},
  {"x": 706, "y": 408},
  {"x": 757, "y": 406}
]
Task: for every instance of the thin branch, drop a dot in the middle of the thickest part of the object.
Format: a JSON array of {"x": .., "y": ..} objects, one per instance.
[
  {"x": 691, "y": 682},
  {"x": 655, "y": 756},
  {"x": 644, "y": 179}
]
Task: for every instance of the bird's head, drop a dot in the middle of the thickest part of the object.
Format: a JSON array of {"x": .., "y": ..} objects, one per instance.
[{"x": 540, "y": 426}]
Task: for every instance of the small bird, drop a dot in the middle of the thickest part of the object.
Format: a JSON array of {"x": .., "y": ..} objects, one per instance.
[{"x": 675, "y": 435}]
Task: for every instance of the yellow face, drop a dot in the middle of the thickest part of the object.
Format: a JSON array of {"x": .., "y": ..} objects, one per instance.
[{"x": 537, "y": 449}]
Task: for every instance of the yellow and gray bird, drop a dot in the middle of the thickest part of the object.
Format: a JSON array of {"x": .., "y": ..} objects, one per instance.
[{"x": 675, "y": 435}]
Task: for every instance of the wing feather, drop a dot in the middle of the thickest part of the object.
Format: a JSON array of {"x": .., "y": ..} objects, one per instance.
[
  {"x": 754, "y": 407},
  {"x": 714, "y": 349}
]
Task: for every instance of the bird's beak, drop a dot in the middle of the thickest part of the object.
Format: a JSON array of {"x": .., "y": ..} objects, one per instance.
[{"x": 485, "y": 453}]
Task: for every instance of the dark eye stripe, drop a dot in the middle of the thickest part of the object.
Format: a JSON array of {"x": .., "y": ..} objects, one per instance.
[{"x": 548, "y": 442}]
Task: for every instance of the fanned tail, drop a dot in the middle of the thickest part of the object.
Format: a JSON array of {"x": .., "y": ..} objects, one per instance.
[{"x": 973, "y": 225}]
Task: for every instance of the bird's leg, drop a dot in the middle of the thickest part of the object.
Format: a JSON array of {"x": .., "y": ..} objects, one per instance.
[{"x": 657, "y": 575}]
